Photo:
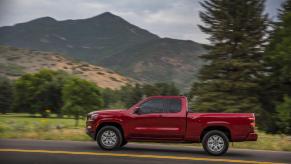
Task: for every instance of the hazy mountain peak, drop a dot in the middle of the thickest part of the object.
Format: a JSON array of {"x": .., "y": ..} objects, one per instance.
[
  {"x": 46, "y": 19},
  {"x": 106, "y": 16}
]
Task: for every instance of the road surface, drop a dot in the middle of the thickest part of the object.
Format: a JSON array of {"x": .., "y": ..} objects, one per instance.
[{"x": 71, "y": 152}]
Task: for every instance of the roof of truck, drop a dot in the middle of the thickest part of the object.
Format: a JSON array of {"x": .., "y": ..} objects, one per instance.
[{"x": 167, "y": 97}]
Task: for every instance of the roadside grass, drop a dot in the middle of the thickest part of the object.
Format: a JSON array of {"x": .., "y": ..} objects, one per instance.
[
  {"x": 24, "y": 126},
  {"x": 277, "y": 142},
  {"x": 53, "y": 128}
]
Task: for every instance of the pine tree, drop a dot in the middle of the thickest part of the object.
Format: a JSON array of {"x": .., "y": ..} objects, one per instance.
[
  {"x": 285, "y": 9},
  {"x": 284, "y": 116},
  {"x": 279, "y": 25},
  {"x": 279, "y": 54},
  {"x": 278, "y": 63},
  {"x": 229, "y": 82},
  {"x": 6, "y": 95}
]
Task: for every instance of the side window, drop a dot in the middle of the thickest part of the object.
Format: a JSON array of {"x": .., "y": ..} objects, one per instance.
[
  {"x": 151, "y": 106},
  {"x": 160, "y": 106},
  {"x": 172, "y": 106}
]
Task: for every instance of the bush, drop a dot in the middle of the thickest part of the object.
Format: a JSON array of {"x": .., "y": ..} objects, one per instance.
[{"x": 284, "y": 115}]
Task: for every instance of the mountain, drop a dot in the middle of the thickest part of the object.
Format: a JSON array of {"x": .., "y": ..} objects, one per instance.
[
  {"x": 110, "y": 41},
  {"x": 15, "y": 62},
  {"x": 159, "y": 60}
]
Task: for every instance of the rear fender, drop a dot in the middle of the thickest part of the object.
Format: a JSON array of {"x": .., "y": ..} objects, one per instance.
[{"x": 221, "y": 124}]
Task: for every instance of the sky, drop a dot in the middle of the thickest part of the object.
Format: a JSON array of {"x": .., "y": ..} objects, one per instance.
[{"x": 167, "y": 18}]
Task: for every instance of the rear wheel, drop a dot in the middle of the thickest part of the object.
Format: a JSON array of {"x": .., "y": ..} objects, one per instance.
[
  {"x": 109, "y": 138},
  {"x": 215, "y": 142}
]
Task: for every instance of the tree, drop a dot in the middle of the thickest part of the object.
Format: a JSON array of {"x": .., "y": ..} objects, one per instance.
[
  {"x": 130, "y": 95},
  {"x": 285, "y": 9},
  {"x": 151, "y": 90},
  {"x": 6, "y": 95},
  {"x": 80, "y": 97},
  {"x": 163, "y": 89},
  {"x": 277, "y": 83},
  {"x": 39, "y": 92},
  {"x": 229, "y": 82},
  {"x": 112, "y": 98},
  {"x": 167, "y": 89},
  {"x": 279, "y": 56},
  {"x": 284, "y": 115}
]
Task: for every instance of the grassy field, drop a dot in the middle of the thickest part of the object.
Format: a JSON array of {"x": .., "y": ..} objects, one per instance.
[
  {"x": 25, "y": 126},
  {"x": 53, "y": 128}
]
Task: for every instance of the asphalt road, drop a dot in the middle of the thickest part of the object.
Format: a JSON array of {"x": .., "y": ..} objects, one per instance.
[{"x": 71, "y": 152}]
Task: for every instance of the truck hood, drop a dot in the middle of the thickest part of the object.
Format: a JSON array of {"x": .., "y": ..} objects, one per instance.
[{"x": 108, "y": 111}]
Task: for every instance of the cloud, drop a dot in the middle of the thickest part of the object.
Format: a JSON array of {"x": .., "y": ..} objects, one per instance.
[{"x": 167, "y": 18}]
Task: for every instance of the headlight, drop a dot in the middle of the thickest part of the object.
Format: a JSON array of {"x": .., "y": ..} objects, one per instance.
[{"x": 92, "y": 117}]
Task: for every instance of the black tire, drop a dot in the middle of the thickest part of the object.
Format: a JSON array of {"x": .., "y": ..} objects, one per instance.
[
  {"x": 112, "y": 141},
  {"x": 215, "y": 142}
]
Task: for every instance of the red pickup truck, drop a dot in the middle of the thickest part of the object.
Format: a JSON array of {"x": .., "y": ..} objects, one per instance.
[{"x": 166, "y": 118}]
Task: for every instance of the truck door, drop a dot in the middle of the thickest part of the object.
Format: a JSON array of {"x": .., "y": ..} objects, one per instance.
[{"x": 159, "y": 118}]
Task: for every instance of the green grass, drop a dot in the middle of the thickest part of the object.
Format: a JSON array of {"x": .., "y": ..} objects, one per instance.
[
  {"x": 266, "y": 141},
  {"x": 53, "y": 128}
]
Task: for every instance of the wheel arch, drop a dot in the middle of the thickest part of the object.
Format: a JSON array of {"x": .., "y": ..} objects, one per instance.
[
  {"x": 222, "y": 128},
  {"x": 115, "y": 124}
]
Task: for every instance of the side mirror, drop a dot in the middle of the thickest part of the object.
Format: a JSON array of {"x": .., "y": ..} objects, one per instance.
[{"x": 136, "y": 110}]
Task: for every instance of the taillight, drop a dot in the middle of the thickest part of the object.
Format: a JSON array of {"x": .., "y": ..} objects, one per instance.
[{"x": 252, "y": 121}]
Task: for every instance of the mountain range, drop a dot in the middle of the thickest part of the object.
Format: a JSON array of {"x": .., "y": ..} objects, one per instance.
[{"x": 112, "y": 42}]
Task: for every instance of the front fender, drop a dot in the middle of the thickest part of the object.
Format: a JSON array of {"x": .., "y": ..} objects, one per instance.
[
  {"x": 109, "y": 121},
  {"x": 106, "y": 120}
]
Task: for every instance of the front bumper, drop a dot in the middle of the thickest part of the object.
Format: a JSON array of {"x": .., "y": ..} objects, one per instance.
[
  {"x": 252, "y": 137},
  {"x": 91, "y": 134},
  {"x": 90, "y": 131}
]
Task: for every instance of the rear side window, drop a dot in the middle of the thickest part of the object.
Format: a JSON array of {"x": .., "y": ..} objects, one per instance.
[{"x": 161, "y": 106}]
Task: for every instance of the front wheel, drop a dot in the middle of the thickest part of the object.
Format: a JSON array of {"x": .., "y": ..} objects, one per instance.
[
  {"x": 215, "y": 142},
  {"x": 109, "y": 138}
]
